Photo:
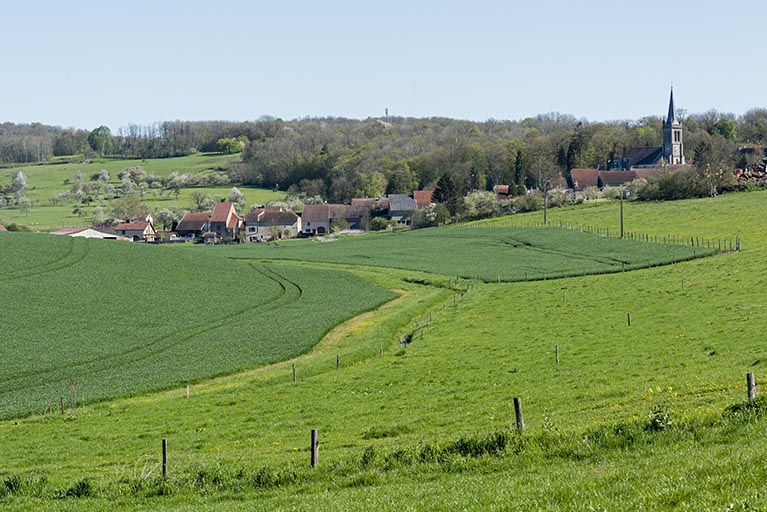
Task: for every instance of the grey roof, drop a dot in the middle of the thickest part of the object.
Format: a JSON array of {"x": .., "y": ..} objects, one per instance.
[
  {"x": 401, "y": 203},
  {"x": 671, "y": 117}
]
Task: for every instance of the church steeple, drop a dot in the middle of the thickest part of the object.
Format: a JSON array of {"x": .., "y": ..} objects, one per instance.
[
  {"x": 671, "y": 118},
  {"x": 673, "y": 147}
]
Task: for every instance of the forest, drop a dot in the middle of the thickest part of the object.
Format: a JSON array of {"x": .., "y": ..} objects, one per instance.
[{"x": 338, "y": 158}]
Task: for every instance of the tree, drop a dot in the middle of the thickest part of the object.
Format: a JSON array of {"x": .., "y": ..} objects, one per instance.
[
  {"x": 166, "y": 217},
  {"x": 99, "y": 216},
  {"x": 129, "y": 207},
  {"x": 236, "y": 197},
  {"x": 725, "y": 127},
  {"x": 19, "y": 183},
  {"x": 25, "y": 205},
  {"x": 449, "y": 193},
  {"x": 202, "y": 202},
  {"x": 100, "y": 140}
]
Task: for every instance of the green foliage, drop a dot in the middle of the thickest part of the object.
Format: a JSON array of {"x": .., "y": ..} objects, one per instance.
[
  {"x": 100, "y": 140},
  {"x": 233, "y": 145},
  {"x": 725, "y": 127}
]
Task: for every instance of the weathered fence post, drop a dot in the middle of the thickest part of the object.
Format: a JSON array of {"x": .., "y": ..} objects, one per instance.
[
  {"x": 556, "y": 353},
  {"x": 164, "y": 457},
  {"x": 338, "y": 361},
  {"x": 751, "y": 385},
  {"x": 315, "y": 448},
  {"x": 628, "y": 319},
  {"x": 518, "y": 414},
  {"x": 294, "y": 373}
]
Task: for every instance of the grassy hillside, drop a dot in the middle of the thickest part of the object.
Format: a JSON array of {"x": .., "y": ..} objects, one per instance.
[
  {"x": 45, "y": 180},
  {"x": 92, "y": 319},
  {"x": 633, "y": 417}
]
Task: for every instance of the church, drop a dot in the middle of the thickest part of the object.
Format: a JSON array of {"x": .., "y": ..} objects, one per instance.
[{"x": 670, "y": 153}]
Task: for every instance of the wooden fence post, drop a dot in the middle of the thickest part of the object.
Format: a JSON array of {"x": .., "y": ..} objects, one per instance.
[
  {"x": 751, "y": 385},
  {"x": 518, "y": 414},
  {"x": 315, "y": 448},
  {"x": 628, "y": 319},
  {"x": 556, "y": 353},
  {"x": 338, "y": 361},
  {"x": 164, "y": 457},
  {"x": 294, "y": 373}
]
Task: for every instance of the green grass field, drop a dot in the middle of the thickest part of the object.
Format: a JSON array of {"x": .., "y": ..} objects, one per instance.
[
  {"x": 97, "y": 319},
  {"x": 633, "y": 417},
  {"x": 485, "y": 253},
  {"x": 45, "y": 180}
]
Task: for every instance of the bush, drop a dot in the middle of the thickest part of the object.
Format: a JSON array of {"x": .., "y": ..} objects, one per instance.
[{"x": 527, "y": 203}]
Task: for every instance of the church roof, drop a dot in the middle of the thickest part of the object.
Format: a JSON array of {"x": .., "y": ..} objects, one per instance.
[{"x": 642, "y": 156}]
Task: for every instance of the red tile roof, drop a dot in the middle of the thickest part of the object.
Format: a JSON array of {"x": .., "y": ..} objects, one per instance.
[
  {"x": 221, "y": 212},
  {"x": 133, "y": 226},
  {"x": 2, "y": 228},
  {"x": 423, "y": 197},
  {"x": 315, "y": 213},
  {"x": 584, "y": 178},
  {"x": 193, "y": 221},
  {"x": 615, "y": 178},
  {"x": 271, "y": 216}
]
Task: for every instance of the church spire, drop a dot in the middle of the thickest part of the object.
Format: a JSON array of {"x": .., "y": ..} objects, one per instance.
[{"x": 671, "y": 118}]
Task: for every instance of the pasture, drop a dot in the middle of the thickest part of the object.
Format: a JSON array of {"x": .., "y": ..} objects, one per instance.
[{"x": 633, "y": 417}]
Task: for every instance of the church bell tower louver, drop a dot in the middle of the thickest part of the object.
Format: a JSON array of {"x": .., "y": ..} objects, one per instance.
[{"x": 673, "y": 145}]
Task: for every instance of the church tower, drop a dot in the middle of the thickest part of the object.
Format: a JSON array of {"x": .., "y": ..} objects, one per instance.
[{"x": 673, "y": 147}]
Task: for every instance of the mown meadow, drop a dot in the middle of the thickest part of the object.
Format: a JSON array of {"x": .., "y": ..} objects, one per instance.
[{"x": 650, "y": 415}]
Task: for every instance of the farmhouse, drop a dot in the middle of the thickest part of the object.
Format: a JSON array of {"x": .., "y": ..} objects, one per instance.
[
  {"x": 317, "y": 219},
  {"x": 271, "y": 223},
  {"x": 224, "y": 221},
  {"x": 138, "y": 230},
  {"x": 193, "y": 225},
  {"x": 401, "y": 206}
]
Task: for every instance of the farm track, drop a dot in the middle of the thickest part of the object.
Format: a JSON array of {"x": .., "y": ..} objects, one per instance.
[
  {"x": 76, "y": 253},
  {"x": 290, "y": 292}
]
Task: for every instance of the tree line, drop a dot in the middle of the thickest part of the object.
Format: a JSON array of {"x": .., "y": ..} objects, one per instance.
[{"x": 338, "y": 158}]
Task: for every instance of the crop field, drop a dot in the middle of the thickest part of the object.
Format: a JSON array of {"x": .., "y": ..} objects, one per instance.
[
  {"x": 87, "y": 320},
  {"x": 647, "y": 416},
  {"x": 45, "y": 180},
  {"x": 488, "y": 254}
]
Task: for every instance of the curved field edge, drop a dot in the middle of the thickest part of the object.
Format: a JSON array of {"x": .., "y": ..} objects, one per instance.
[
  {"x": 489, "y": 254},
  {"x": 214, "y": 317}
]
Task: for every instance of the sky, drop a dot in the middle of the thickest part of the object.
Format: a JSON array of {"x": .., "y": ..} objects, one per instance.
[{"x": 85, "y": 63}]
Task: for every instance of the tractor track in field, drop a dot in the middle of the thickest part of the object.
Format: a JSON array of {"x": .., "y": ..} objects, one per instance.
[
  {"x": 76, "y": 253},
  {"x": 290, "y": 292}
]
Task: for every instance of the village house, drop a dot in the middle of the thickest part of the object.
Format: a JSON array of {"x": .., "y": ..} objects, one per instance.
[
  {"x": 224, "y": 221},
  {"x": 423, "y": 198},
  {"x": 401, "y": 208},
  {"x": 140, "y": 229},
  {"x": 193, "y": 225},
  {"x": 263, "y": 224}
]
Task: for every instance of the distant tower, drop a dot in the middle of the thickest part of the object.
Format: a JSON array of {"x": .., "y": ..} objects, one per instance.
[{"x": 673, "y": 147}]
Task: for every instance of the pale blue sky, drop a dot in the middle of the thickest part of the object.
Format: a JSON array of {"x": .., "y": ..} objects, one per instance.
[{"x": 84, "y": 63}]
